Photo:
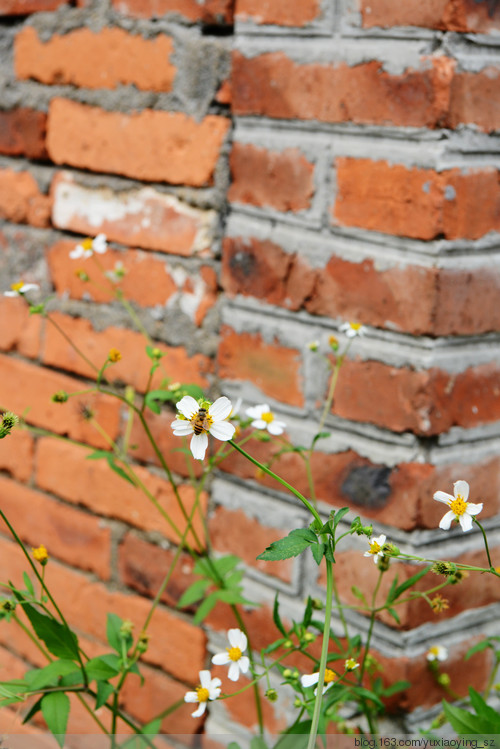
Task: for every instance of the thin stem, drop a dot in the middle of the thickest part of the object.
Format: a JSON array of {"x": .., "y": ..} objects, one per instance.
[
  {"x": 72, "y": 343},
  {"x": 324, "y": 654},
  {"x": 485, "y": 542},
  {"x": 370, "y": 628}
]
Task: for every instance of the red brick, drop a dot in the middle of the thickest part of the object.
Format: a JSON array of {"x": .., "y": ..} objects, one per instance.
[
  {"x": 449, "y": 15},
  {"x": 208, "y": 11},
  {"x": 142, "y": 218},
  {"x": 474, "y": 98},
  {"x": 273, "y": 85},
  {"x": 68, "y": 534},
  {"x": 21, "y": 201},
  {"x": 143, "y": 567},
  {"x": 274, "y": 369},
  {"x": 22, "y": 133},
  {"x": 23, "y": 332},
  {"x": 134, "y": 366},
  {"x": 414, "y": 202},
  {"x": 277, "y": 12},
  {"x": 106, "y": 59},
  {"x": 233, "y": 532},
  {"x": 27, "y": 389},
  {"x": 16, "y": 455},
  {"x": 425, "y": 402},
  {"x": 150, "y": 145},
  {"x": 63, "y": 468},
  {"x": 24, "y": 7},
  {"x": 281, "y": 180}
]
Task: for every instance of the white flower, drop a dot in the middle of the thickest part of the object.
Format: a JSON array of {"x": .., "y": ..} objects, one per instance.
[
  {"x": 209, "y": 689},
  {"x": 350, "y": 664},
  {"x": 20, "y": 288},
  {"x": 376, "y": 546},
  {"x": 263, "y": 418},
  {"x": 352, "y": 329},
  {"x": 88, "y": 246},
  {"x": 308, "y": 680},
  {"x": 201, "y": 421},
  {"x": 437, "y": 653},
  {"x": 460, "y": 509},
  {"x": 234, "y": 655}
]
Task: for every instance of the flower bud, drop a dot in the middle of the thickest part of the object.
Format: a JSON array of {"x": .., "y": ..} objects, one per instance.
[
  {"x": 272, "y": 695},
  {"x": 60, "y": 397}
]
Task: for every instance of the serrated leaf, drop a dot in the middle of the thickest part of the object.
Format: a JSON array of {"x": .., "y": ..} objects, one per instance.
[
  {"x": 104, "y": 692},
  {"x": 478, "y": 648},
  {"x": 484, "y": 710},
  {"x": 318, "y": 551},
  {"x": 55, "y": 710},
  {"x": 277, "y": 618},
  {"x": 194, "y": 593},
  {"x": 59, "y": 640},
  {"x": 225, "y": 564},
  {"x": 290, "y": 546}
]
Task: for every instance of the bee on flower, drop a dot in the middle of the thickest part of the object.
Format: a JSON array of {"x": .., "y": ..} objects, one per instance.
[
  {"x": 208, "y": 689},
  {"x": 201, "y": 420},
  {"x": 234, "y": 655},
  {"x": 263, "y": 418},
  {"x": 89, "y": 246},
  {"x": 459, "y": 509}
]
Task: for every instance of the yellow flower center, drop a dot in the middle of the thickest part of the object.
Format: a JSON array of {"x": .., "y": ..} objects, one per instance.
[
  {"x": 86, "y": 243},
  {"x": 329, "y": 676},
  {"x": 267, "y": 417},
  {"x": 203, "y": 694},
  {"x": 434, "y": 650},
  {"x": 234, "y": 653},
  {"x": 375, "y": 547},
  {"x": 17, "y": 286},
  {"x": 355, "y": 325},
  {"x": 458, "y": 506},
  {"x": 114, "y": 355}
]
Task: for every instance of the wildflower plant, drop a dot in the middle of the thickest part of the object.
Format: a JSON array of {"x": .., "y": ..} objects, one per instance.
[{"x": 211, "y": 431}]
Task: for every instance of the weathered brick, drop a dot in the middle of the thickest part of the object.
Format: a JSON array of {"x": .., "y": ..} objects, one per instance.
[
  {"x": 448, "y": 15},
  {"x": 25, "y": 7},
  {"x": 414, "y": 202},
  {"x": 142, "y": 218},
  {"x": 281, "y": 180},
  {"x": 22, "y": 133},
  {"x": 63, "y": 468},
  {"x": 278, "y": 12},
  {"x": 16, "y": 455},
  {"x": 133, "y": 368},
  {"x": 208, "y": 11},
  {"x": 105, "y": 59},
  {"x": 143, "y": 567},
  {"x": 23, "y": 332},
  {"x": 150, "y": 145},
  {"x": 21, "y": 201},
  {"x": 68, "y": 534},
  {"x": 475, "y": 98},
  {"x": 18, "y": 394},
  {"x": 273, "y": 85},
  {"x": 233, "y": 532},
  {"x": 274, "y": 369}
]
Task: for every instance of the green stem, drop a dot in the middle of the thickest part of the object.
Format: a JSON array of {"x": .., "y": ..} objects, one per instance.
[
  {"x": 72, "y": 343},
  {"x": 323, "y": 657},
  {"x": 370, "y": 628},
  {"x": 485, "y": 542}
]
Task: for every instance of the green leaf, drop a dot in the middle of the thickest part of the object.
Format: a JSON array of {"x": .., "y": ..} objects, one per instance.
[
  {"x": 113, "y": 625},
  {"x": 39, "y": 678},
  {"x": 398, "y": 686},
  {"x": 110, "y": 459},
  {"x": 29, "y": 585},
  {"x": 290, "y": 546},
  {"x": 277, "y": 618},
  {"x": 233, "y": 745},
  {"x": 104, "y": 691},
  {"x": 34, "y": 709},
  {"x": 194, "y": 593},
  {"x": 478, "y": 648},
  {"x": 339, "y": 515},
  {"x": 55, "y": 710},
  {"x": 410, "y": 582},
  {"x": 359, "y": 594},
  {"x": 226, "y": 564},
  {"x": 306, "y": 620},
  {"x": 320, "y": 436},
  {"x": 59, "y": 640},
  {"x": 152, "y": 728},
  {"x": 462, "y": 721},
  {"x": 101, "y": 669},
  {"x": 194, "y": 391},
  {"x": 483, "y": 710},
  {"x": 394, "y": 615},
  {"x": 318, "y": 551},
  {"x": 392, "y": 590},
  {"x": 206, "y": 607},
  {"x": 258, "y": 743},
  {"x": 154, "y": 397}
]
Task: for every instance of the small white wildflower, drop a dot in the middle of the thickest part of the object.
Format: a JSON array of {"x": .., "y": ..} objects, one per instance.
[
  {"x": 376, "y": 546},
  {"x": 234, "y": 655},
  {"x": 309, "y": 680},
  {"x": 20, "y": 288},
  {"x": 88, "y": 246},
  {"x": 209, "y": 689},
  {"x": 437, "y": 653},
  {"x": 460, "y": 509},
  {"x": 352, "y": 329},
  {"x": 263, "y": 418},
  {"x": 200, "y": 421}
]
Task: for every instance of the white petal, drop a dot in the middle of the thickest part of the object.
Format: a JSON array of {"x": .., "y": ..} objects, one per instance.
[
  {"x": 77, "y": 252},
  {"x": 200, "y": 710},
  {"x": 181, "y": 427},
  {"x": 473, "y": 509},
  {"x": 222, "y": 430},
  {"x": 221, "y": 659},
  {"x": 191, "y": 697},
  {"x": 237, "y": 639},
  {"x": 259, "y": 424},
  {"x": 11, "y": 293},
  {"x": 462, "y": 488},
  {"x": 29, "y": 287},
  {"x": 220, "y": 409},
  {"x": 309, "y": 679},
  {"x": 367, "y": 554},
  {"x": 465, "y": 521},
  {"x": 446, "y": 520},
  {"x": 244, "y": 664},
  {"x": 205, "y": 679},
  {"x": 234, "y": 671},
  {"x": 255, "y": 412},
  {"x": 443, "y": 497},
  {"x": 99, "y": 244},
  {"x": 188, "y": 406},
  {"x": 199, "y": 445},
  {"x": 276, "y": 427}
]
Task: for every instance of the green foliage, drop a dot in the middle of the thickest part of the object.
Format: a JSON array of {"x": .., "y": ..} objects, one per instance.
[
  {"x": 291, "y": 546},
  {"x": 55, "y": 709},
  {"x": 485, "y": 720},
  {"x": 59, "y": 640},
  {"x": 111, "y": 460}
]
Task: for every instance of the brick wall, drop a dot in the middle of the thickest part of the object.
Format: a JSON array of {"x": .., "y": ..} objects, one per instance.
[{"x": 265, "y": 172}]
